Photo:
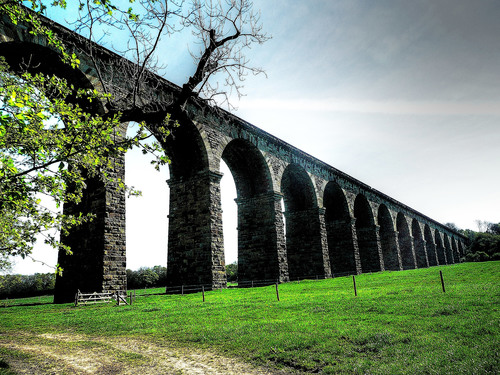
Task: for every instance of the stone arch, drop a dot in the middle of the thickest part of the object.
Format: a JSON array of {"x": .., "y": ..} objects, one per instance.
[
  {"x": 366, "y": 231},
  {"x": 341, "y": 231},
  {"x": 187, "y": 151},
  {"x": 430, "y": 246},
  {"x": 448, "y": 250},
  {"x": 304, "y": 229},
  {"x": 36, "y": 58},
  {"x": 405, "y": 242},
  {"x": 388, "y": 239},
  {"x": 419, "y": 245},
  {"x": 261, "y": 240},
  {"x": 441, "y": 257}
]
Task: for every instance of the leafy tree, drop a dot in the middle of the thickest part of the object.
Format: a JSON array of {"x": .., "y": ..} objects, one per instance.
[
  {"x": 452, "y": 226},
  {"x": 484, "y": 245},
  {"x": 146, "y": 277},
  {"x": 15, "y": 286},
  {"x": 52, "y": 138},
  {"x": 232, "y": 272},
  {"x": 493, "y": 228}
]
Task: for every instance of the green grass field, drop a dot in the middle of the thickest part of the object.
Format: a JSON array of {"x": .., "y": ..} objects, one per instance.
[{"x": 400, "y": 323}]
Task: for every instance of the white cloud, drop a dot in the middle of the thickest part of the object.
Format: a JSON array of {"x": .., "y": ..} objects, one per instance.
[{"x": 372, "y": 106}]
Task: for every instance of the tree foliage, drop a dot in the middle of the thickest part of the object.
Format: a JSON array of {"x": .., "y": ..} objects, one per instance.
[
  {"x": 484, "y": 245},
  {"x": 18, "y": 286},
  {"x": 51, "y": 140},
  {"x": 232, "y": 272},
  {"x": 146, "y": 277}
]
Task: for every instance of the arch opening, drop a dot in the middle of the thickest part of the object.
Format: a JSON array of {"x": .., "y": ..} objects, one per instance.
[
  {"x": 339, "y": 229},
  {"x": 419, "y": 245},
  {"x": 261, "y": 239},
  {"x": 439, "y": 248},
  {"x": 302, "y": 225},
  {"x": 448, "y": 250},
  {"x": 367, "y": 235},
  {"x": 430, "y": 246},
  {"x": 405, "y": 242},
  {"x": 146, "y": 216},
  {"x": 388, "y": 241},
  {"x": 229, "y": 221}
]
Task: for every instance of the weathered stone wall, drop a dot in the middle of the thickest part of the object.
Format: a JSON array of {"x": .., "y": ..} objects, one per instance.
[
  {"x": 196, "y": 243},
  {"x": 98, "y": 259}
]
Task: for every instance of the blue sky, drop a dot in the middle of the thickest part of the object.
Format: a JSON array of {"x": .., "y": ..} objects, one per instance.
[{"x": 404, "y": 96}]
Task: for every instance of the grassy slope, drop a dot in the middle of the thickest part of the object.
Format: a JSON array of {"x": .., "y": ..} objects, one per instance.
[{"x": 401, "y": 322}]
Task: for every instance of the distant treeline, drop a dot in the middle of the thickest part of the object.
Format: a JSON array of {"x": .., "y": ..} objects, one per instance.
[
  {"x": 146, "y": 277},
  {"x": 19, "y": 286},
  {"x": 485, "y": 244}
]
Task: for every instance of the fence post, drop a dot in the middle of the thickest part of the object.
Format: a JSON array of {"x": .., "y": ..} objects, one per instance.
[
  {"x": 182, "y": 289},
  {"x": 203, "y": 292},
  {"x": 354, "y": 282},
  {"x": 277, "y": 292},
  {"x": 442, "y": 281}
]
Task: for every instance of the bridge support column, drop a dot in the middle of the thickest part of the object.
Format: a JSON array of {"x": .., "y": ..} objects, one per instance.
[
  {"x": 98, "y": 259},
  {"x": 261, "y": 239},
  {"x": 306, "y": 244},
  {"x": 420, "y": 252},
  {"x": 440, "y": 251},
  {"x": 370, "y": 249},
  {"x": 195, "y": 239},
  {"x": 390, "y": 250},
  {"x": 407, "y": 250},
  {"x": 430, "y": 248}
]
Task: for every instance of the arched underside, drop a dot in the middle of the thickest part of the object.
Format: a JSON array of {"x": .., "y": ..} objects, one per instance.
[
  {"x": 405, "y": 242},
  {"x": 430, "y": 246},
  {"x": 419, "y": 245},
  {"x": 388, "y": 240},
  {"x": 441, "y": 258},
  {"x": 34, "y": 58},
  {"x": 307, "y": 257},
  {"x": 368, "y": 241},
  {"x": 340, "y": 232},
  {"x": 448, "y": 251},
  {"x": 261, "y": 238}
]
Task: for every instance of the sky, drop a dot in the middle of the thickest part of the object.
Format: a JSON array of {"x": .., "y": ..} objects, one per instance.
[{"x": 404, "y": 96}]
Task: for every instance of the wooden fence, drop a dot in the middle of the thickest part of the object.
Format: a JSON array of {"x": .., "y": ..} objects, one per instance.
[{"x": 104, "y": 297}]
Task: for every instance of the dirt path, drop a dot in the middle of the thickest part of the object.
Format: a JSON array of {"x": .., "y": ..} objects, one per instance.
[{"x": 78, "y": 354}]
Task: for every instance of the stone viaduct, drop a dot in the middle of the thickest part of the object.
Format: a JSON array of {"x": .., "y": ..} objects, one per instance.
[{"x": 333, "y": 224}]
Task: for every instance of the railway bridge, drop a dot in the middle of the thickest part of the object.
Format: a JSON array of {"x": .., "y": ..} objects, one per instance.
[{"x": 332, "y": 224}]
